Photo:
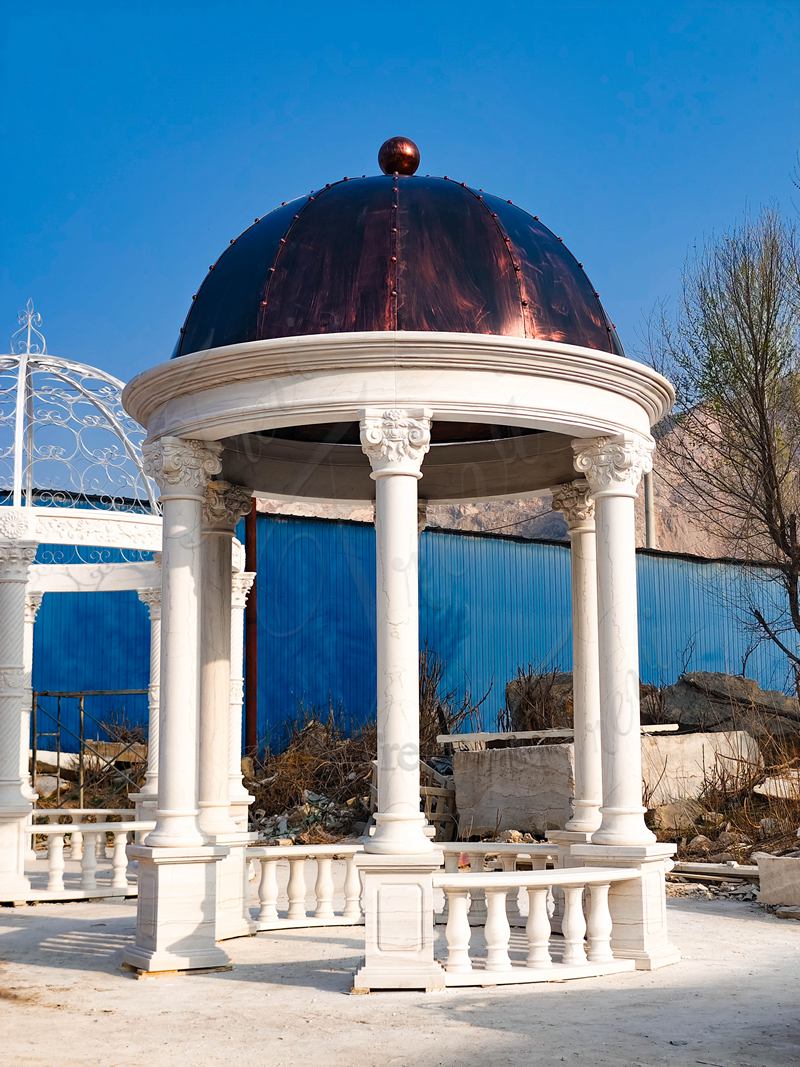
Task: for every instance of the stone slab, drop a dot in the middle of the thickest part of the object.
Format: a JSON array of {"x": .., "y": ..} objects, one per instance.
[
  {"x": 779, "y": 878},
  {"x": 530, "y": 788}
]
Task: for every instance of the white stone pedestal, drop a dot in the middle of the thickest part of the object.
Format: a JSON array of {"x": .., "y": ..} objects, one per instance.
[
  {"x": 175, "y": 915},
  {"x": 233, "y": 917},
  {"x": 399, "y": 929},
  {"x": 14, "y": 848},
  {"x": 638, "y": 908}
]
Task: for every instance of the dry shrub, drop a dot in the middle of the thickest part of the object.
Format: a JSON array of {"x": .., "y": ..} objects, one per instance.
[
  {"x": 442, "y": 713},
  {"x": 319, "y": 758},
  {"x": 728, "y": 800}
]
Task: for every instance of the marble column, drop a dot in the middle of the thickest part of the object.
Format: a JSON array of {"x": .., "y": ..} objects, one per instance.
[
  {"x": 613, "y": 467},
  {"x": 33, "y": 601},
  {"x": 225, "y": 504},
  {"x": 574, "y": 502},
  {"x": 238, "y": 797},
  {"x": 146, "y": 800},
  {"x": 182, "y": 469},
  {"x": 15, "y": 701},
  {"x": 177, "y": 879},
  {"x": 400, "y": 859},
  {"x": 395, "y": 443}
]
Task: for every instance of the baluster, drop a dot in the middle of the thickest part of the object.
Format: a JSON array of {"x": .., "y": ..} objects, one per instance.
[
  {"x": 509, "y": 863},
  {"x": 458, "y": 930},
  {"x": 573, "y": 925},
  {"x": 268, "y": 891},
  {"x": 119, "y": 860},
  {"x": 599, "y": 927},
  {"x": 539, "y": 862},
  {"x": 538, "y": 928},
  {"x": 496, "y": 931},
  {"x": 76, "y": 845},
  {"x": 477, "y": 897},
  {"x": 450, "y": 867},
  {"x": 352, "y": 891},
  {"x": 55, "y": 862},
  {"x": 89, "y": 861},
  {"x": 323, "y": 888},
  {"x": 296, "y": 889}
]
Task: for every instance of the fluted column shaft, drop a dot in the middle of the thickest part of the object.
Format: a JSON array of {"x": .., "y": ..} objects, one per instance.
[
  {"x": 613, "y": 467},
  {"x": 152, "y": 598},
  {"x": 395, "y": 443},
  {"x": 182, "y": 469},
  {"x": 15, "y": 678},
  {"x": 225, "y": 504},
  {"x": 239, "y": 798},
  {"x": 33, "y": 601},
  {"x": 574, "y": 502}
]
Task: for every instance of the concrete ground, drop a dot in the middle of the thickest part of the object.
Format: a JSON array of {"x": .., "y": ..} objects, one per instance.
[{"x": 734, "y": 1001}]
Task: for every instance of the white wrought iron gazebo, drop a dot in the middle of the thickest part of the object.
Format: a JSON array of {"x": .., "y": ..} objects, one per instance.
[{"x": 78, "y": 513}]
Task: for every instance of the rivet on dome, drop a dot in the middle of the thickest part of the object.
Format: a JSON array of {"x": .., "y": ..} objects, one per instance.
[
  {"x": 535, "y": 218},
  {"x": 509, "y": 201},
  {"x": 256, "y": 219}
]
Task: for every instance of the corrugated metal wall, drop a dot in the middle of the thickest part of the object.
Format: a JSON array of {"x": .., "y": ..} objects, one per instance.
[{"x": 488, "y": 605}]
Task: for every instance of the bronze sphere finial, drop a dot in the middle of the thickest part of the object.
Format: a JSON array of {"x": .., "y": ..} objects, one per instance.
[{"x": 398, "y": 155}]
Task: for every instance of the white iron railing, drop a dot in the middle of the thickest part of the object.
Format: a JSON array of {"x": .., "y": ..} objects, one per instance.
[
  {"x": 583, "y": 950},
  {"x": 298, "y": 913},
  {"x": 86, "y": 878}
]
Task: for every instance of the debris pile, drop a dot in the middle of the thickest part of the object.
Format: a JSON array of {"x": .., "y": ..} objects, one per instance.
[{"x": 317, "y": 789}]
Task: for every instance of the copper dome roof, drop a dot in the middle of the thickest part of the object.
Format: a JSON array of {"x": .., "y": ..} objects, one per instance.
[{"x": 396, "y": 252}]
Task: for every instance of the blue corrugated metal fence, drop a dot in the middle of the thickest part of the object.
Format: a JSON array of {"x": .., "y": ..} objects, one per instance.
[{"x": 488, "y": 605}]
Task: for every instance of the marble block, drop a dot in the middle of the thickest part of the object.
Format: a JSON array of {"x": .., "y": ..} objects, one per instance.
[{"x": 779, "y": 877}]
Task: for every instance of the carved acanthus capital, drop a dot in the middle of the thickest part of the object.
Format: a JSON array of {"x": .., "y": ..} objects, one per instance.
[
  {"x": 33, "y": 601},
  {"x": 241, "y": 584},
  {"x": 15, "y": 560},
  {"x": 574, "y": 501},
  {"x": 613, "y": 466},
  {"x": 395, "y": 441},
  {"x": 181, "y": 464},
  {"x": 151, "y": 597},
  {"x": 225, "y": 504}
]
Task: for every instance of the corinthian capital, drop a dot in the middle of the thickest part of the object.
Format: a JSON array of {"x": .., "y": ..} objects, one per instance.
[
  {"x": 152, "y": 598},
  {"x": 178, "y": 463},
  {"x": 613, "y": 466},
  {"x": 225, "y": 504},
  {"x": 395, "y": 441},
  {"x": 574, "y": 501},
  {"x": 15, "y": 559},
  {"x": 241, "y": 584},
  {"x": 33, "y": 601}
]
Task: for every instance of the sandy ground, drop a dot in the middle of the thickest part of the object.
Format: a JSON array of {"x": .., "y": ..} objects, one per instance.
[{"x": 733, "y": 1001}]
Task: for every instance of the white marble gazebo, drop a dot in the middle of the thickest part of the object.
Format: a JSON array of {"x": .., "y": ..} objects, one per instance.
[{"x": 401, "y": 339}]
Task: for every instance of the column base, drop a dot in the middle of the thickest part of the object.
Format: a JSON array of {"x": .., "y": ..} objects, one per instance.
[
  {"x": 638, "y": 908},
  {"x": 399, "y": 835},
  {"x": 398, "y": 919},
  {"x": 239, "y": 808},
  {"x": 14, "y": 849},
  {"x": 175, "y": 913},
  {"x": 145, "y": 805},
  {"x": 233, "y": 917}
]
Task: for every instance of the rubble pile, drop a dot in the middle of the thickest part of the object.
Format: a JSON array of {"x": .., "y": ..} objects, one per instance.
[{"x": 315, "y": 791}]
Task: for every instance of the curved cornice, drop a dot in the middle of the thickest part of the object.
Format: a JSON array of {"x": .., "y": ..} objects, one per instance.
[{"x": 299, "y": 358}]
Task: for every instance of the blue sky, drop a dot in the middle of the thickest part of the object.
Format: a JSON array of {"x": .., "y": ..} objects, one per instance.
[{"x": 139, "y": 138}]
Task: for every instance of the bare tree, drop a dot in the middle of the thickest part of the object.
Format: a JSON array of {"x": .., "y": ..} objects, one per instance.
[{"x": 731, "y": 450}]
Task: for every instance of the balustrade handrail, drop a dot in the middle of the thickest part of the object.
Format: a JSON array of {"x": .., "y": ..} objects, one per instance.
[
  {"x": 500, "y": 848},
  {"x": 296, "y": 851},
  {"x": 564, "y": 876},
  {"x": 49, "y": 813},
  {"x": 93, "y": 827}
]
